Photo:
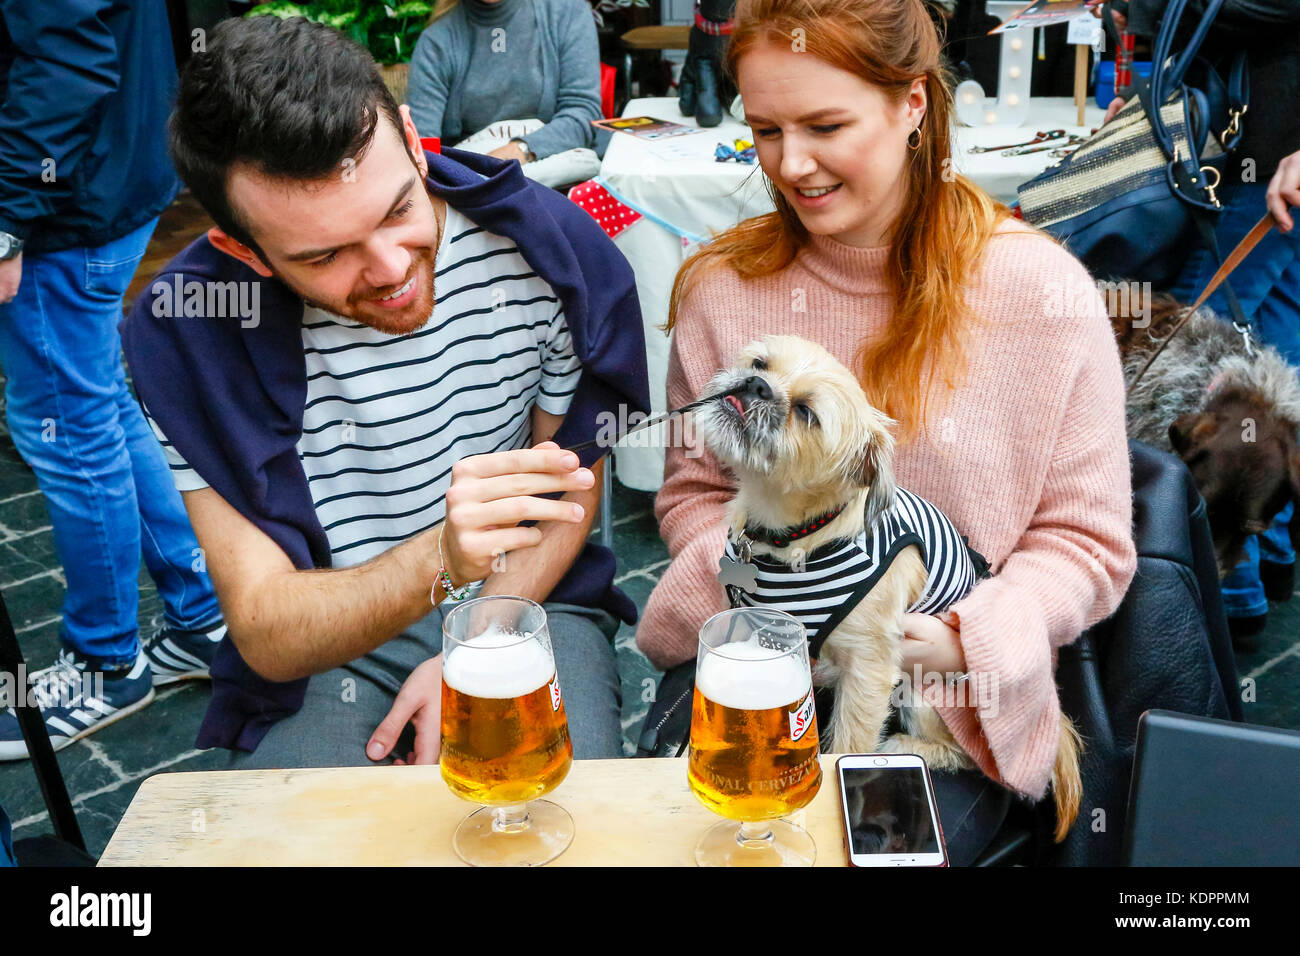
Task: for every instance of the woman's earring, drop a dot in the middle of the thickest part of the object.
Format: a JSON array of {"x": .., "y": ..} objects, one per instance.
[{"x": 917, "y": 131}]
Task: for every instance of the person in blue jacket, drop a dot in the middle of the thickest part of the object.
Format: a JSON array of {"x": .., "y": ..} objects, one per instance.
[
  {"x": 85, "y": 86},
  {"x": 364, "y": 378}
]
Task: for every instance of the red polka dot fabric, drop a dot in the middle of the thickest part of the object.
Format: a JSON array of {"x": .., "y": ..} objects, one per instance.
[{"x": 612, "y": 215}]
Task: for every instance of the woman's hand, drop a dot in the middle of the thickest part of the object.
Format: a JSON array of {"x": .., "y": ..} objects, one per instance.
[
  {"x": 1284, "y": 191},
  {"x": 490, "y": 494},
  {"x": 933, "y": 642},
  {"x": 420, "y": 703}
]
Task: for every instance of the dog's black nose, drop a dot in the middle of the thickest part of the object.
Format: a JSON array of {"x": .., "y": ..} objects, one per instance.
[{"x": 757, "y": 386}]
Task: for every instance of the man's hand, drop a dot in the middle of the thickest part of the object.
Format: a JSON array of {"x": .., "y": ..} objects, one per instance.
[
  {"x": 11, "y": 274},
  {"x": 1284, "y": 191},
  {"x": 418, "y": 702},
  {"x": 491, "y": 494},
  {"x": 511, "y": 150}
]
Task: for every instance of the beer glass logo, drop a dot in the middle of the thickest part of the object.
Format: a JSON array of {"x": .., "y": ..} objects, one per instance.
[
  {"x": 554, "y": 688},
  {"x": 801, "y": 718}
]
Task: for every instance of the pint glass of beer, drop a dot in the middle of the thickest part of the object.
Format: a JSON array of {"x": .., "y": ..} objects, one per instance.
[
  {"x": 754, "y": 747},
  {"x": 505, "y": 738}
]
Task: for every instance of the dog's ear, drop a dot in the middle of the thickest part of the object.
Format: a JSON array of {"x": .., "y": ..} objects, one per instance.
[
  {"x": 875, "y": 470},
  {"x": 1189, "y": 428}
]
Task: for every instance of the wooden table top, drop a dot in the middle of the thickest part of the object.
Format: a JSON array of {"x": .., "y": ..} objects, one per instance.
[
  {"x": 634, "y": 812},
  {"x": 666, "y": 37}
]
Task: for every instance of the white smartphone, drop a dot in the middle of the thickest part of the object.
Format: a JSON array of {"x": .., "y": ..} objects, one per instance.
[{"x": 890, "y": 815}]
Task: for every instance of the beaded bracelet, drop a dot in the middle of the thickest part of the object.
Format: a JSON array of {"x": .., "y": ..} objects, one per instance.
[{"x": 443, "y": 578}]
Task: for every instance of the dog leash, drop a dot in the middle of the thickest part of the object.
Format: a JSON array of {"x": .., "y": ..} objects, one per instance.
[
  {"x": 657, "y": 419},
  {"x": 1242, "y": 250},
  {"x": 645, "y": 424}
]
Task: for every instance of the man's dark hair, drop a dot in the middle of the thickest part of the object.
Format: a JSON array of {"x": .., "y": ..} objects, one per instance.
[{"x": 288, "y": 98}]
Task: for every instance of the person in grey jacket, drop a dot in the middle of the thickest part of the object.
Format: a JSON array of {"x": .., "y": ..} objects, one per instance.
[{"x": 484, "y": 61}]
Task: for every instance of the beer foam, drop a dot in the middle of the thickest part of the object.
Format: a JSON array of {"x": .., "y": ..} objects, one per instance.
[
  {"x": 478, "y": 669},
  {"x": 750, "y": 678}
]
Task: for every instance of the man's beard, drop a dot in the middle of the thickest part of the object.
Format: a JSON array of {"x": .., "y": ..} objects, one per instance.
[{"x": 359, "y": 308}]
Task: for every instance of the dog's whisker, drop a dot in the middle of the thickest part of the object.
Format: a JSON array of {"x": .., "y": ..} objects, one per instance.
[{"x": 658, "y": 419}]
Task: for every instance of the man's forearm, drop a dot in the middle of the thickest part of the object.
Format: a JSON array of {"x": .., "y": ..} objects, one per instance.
[
  {"x": 534, "y": 572},
  {"x": 306, "y": 622}
]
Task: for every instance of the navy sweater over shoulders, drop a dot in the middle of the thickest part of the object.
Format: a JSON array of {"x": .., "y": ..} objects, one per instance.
[{"x": 230, "y": 398}]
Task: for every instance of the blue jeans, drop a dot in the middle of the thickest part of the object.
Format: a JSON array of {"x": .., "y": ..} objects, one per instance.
[
  {"x": 1267, "y": 284},
  {"x": 106, "y": 483}
]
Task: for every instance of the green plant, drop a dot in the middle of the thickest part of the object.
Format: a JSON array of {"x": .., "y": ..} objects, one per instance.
[{"x": 388, "y": 32}]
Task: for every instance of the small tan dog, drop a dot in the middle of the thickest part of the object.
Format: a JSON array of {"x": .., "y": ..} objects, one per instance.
[{"x": 817, "y": 521}]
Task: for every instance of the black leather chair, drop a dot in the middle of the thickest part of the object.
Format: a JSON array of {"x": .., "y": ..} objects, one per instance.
[
  {"x": 65, "y": 847},
  {"x": 1166, "y": 646}
]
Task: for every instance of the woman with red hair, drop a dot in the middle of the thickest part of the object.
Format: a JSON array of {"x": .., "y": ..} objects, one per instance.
[{"x": 983, "y": 338}]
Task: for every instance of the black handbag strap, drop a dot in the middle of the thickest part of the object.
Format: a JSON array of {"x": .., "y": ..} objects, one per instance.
[
  {"x": 1172, "y": 78},
  {"x": 53, "y": 789},
  {"x": 1168, "y": 71}
]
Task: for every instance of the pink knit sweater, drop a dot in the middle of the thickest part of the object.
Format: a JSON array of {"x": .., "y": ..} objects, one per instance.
[{"x": 1028, "y": 458}]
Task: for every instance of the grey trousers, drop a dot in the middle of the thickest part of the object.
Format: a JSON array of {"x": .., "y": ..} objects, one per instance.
[{"x": 344, "y": 706}]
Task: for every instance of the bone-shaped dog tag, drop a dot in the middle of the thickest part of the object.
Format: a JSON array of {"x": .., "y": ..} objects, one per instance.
[{"x": 733, "y": 573}]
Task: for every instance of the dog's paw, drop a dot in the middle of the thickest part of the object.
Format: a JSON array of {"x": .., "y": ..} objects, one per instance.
[
  {"x": 898, "y": 744},
  {"x": 936, "y": 756}
]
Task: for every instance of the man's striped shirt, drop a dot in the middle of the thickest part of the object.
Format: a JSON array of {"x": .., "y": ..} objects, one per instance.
[{"x": 387, "y": 416}]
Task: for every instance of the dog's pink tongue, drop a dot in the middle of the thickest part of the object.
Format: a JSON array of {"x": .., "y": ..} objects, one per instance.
[{"x": 735, "y": 403}]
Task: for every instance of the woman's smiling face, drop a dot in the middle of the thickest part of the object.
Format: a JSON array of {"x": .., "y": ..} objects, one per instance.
[{"x": 833, "y": 144}]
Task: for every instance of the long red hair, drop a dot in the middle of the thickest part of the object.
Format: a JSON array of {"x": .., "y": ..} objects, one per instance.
[{"x": 945, "y": 221}]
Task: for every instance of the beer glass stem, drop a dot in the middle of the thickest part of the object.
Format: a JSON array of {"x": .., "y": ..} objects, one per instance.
[
  {"x": 510, "y": 819},
  {"x": 756, "y": 834}
]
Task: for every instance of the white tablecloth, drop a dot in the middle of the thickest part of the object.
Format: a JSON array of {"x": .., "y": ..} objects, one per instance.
[
  {"x": 1000, "y": 175},
  {"x": 686, "y": 200}
]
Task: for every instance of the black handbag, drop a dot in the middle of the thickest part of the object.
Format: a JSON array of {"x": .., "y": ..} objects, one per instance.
[{"x": 1135, "y": 198}]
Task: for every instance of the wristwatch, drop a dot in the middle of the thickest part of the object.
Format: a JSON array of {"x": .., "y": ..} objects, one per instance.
[
  {"x": 10, "y": 246},
  {"x": 529, "y": 155}
]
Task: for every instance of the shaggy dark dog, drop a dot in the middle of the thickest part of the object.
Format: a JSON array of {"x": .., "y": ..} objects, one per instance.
[{"x": 1231, "y": 417}]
